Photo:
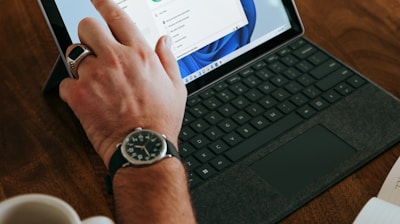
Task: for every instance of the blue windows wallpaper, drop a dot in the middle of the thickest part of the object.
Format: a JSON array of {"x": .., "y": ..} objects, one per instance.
[{"x": 221, "y": 47}]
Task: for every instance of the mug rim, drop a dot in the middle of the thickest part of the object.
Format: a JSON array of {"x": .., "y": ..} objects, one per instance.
[{"x": 53, "y": 201}]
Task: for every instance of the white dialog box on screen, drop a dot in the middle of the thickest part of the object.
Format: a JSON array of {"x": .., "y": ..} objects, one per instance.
[{"x": 192, "y": 24}]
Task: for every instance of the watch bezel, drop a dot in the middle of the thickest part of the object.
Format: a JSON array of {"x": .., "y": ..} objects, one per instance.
[{"x": 160, "y": 156}]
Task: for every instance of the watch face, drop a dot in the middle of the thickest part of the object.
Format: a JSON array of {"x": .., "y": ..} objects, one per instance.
[{"x": 144, "y": 147}]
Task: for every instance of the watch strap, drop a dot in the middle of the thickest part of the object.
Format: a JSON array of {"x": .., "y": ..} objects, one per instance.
[
  {"x": 172, "y": 150},
  {"x": 117, "y": 161}
]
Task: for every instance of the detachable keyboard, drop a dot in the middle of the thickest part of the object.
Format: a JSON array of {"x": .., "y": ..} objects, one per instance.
[{"x": 237, "y": 115}]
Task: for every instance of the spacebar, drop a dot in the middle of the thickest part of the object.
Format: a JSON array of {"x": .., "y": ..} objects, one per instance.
[{"x": 263, "y": 137}]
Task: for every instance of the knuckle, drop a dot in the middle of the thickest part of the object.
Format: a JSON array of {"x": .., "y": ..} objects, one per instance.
[
  {"x": 86, "y": 23},
  {"x": 116, "y": 15}
]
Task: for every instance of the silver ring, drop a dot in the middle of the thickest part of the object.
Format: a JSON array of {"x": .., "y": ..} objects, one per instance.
[{"x": 76, "y": 56}]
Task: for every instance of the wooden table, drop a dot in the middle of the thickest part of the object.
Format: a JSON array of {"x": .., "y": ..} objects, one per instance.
[{"x": 44, "y": 150}]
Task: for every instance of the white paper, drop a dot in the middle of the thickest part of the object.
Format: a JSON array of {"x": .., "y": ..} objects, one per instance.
[
  {"x": 385, "y": 208},
  {"x": 390, "y": 190},
  {"x": 378, "y": 211}
]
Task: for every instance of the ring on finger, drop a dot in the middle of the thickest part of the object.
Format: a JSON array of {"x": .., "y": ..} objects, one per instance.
[{"x": 76, "y": 56}]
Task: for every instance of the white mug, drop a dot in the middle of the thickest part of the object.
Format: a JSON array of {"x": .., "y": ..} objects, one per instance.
[{"x": 40, "y": 209}]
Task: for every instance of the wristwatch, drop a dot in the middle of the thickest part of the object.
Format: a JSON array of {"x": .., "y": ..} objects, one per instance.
[{"x": 140, "y": 148}]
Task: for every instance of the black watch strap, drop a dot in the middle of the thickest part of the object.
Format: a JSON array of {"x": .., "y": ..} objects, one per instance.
[{"x": 118, "y": 160}]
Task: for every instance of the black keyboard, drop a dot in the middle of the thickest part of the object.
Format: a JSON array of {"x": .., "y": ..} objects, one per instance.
[{"x": 241, "y": 113}]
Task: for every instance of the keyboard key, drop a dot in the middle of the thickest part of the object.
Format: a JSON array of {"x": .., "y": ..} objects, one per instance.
[
  {"x": 266, "y": 88},
  {"x": 252, "y": 81},
  {"x": 241, "y": 117},
  {"x": 227, "y": 125},
  {"x": 259, "y": 122},
  {"x": 206, "y": 171},
  {"x": 333, "y": 79},
  {"x": 297, "y": 44},
  {"x": 344, "y": 89},
  {"x": 293, "y": 87},
  {"x": 311, "y": 92},
  {"x": 271, "y": 58},
  {"x": 281, "y": 95},
  {"x": 240, "y": 102},
  {"x": 279, "y": 80},
  {"x": 226, "y": 95},
  {"x": 246, "y": 131},
  {"x": 264, "y": 74},
  {"x": 290, "y": 60},
  {"x": 191, "y": 163},
  {"x": 220, "y": 163},
  {"x": 186, "y": 133},
  {"x": 213, "y": 117},
  {"x": 212, "y": 103},
  {"x": 286, "y": 107},
  {"x": 325, "y": 69},
  {"x": 239, "y": 88},
  {"x": 332, "y": 96},
  {"x": 319, "y": 104},
  {"x": 199, "y": 125},
  {"x": 254, "y": 110},
  {"x": 198, "y": 111},
  {"x": 254, "y": 95},
  {"x": 292, "y": 73},
  {"x": 318, "y": 58},
  {"x": 233, "y": 139},
  {"x": 305, "y": 51},
  {"x": 218, "y": 147},
  {"x": 204, "y": 155},
  {"x": 227, "y": 110},
  {"x": 207, "y": 93},
  {"x": 214, "y": 133},
  {"x": 246, "y": 72},
  {"x": 194, "y": 180},
  {"x": 273, "y": 115},
  {"x": 193, "y": 101},
  {"x": 220, "y": 86},
  {"x": 188, "y": 119},
  {"x": 268, "y": 102},
  {"x": 200, "y": 141},
  {"x": 263, "y": 137},
  {"x": 304, "y": 66},
  {"x": 186, "y": 149},
  {"x": 306, "y": 80},
  {"x": 284, "y": 51},
  {"x": 277, "y": 67},
  {"x": 306, "y": 111},
  {"x": 299, "y": 99},
  {"x": 234, "y": 79},
  {"x": 356, "y": 81},
  {"x": 259, "y": 65}
]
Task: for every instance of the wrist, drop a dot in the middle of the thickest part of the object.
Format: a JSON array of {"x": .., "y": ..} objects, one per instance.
[
  {"x": 158, "y": 171},
  {"x": 155, "y": 189}
]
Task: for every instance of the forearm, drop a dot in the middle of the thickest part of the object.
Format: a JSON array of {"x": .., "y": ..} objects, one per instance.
[{"x": 154, "y": 194}]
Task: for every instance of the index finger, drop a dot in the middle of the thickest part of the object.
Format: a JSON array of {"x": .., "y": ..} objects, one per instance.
[{"x": 120, "y": 24}]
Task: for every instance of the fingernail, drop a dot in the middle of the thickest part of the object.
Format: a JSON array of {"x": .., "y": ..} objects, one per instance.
[{"x": 168, "y": 41}]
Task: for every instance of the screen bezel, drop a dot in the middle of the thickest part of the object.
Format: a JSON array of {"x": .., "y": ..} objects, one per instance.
[{"x": 62, "y": 39}]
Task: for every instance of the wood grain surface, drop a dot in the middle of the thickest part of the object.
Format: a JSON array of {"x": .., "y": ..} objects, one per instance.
[{"x": 44, "y": 150}]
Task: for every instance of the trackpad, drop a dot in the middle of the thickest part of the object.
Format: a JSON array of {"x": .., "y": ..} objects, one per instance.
[{"x": 303, "y": 160}]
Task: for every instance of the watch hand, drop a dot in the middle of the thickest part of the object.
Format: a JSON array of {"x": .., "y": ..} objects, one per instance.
[{"x": 147, "y": 152}]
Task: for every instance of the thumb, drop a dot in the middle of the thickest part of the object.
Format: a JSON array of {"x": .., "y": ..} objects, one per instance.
[{"x": 65, "y": 88}]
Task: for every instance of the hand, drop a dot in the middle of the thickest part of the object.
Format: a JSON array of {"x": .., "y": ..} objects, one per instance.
[{"x": 125, "y": 84}]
